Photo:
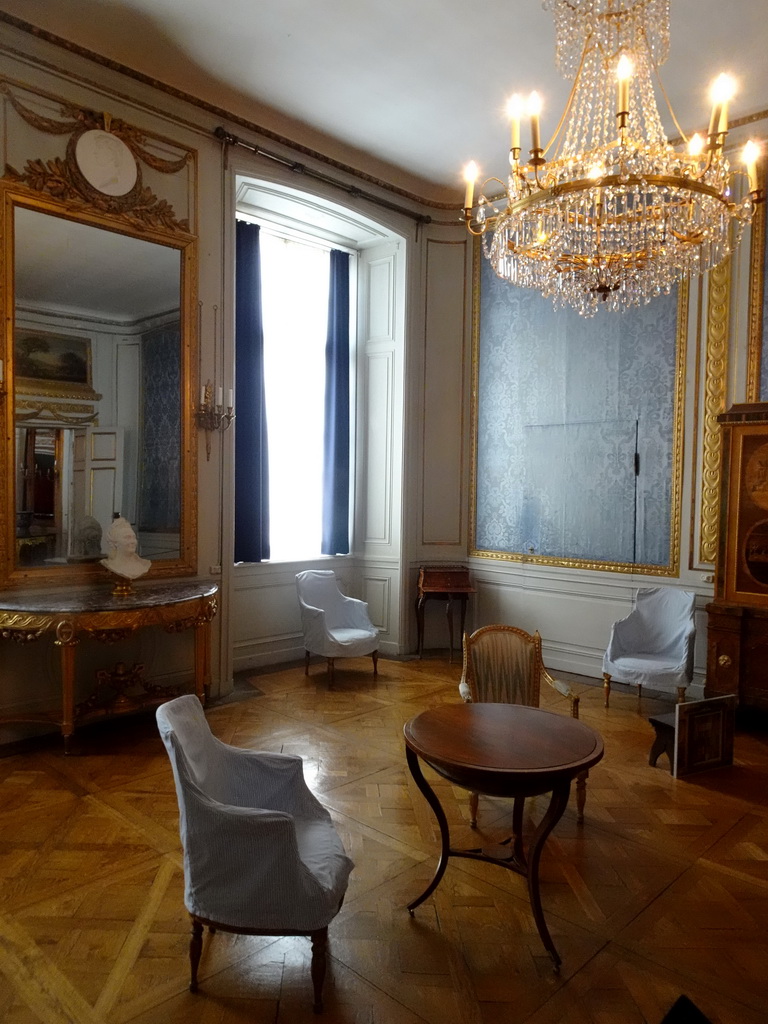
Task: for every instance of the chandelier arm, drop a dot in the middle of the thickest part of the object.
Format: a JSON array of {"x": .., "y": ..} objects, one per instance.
[
  {"x": 682, "y": 134},
  {"x": 569, "y": 101}
]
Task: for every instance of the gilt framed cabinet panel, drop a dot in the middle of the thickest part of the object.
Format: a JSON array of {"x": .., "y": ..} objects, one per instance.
[{"x": 737, "y": 639}]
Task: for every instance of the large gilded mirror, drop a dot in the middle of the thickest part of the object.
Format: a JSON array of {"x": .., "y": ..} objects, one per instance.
[{"x": 97, "y": 386}]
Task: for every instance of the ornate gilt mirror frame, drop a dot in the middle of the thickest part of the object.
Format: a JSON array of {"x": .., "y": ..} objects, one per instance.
[{"x": 97, "y": 184}]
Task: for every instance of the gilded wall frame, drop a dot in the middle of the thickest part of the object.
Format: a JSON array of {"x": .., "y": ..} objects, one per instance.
[
  {"x": 672, "y": 566},
  {"x": 758, "y": 299}
]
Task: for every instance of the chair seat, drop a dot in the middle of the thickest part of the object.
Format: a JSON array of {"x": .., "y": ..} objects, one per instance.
[
  {"x": 322, "y": 853},
  {"x": 652, "y": 670},
  {"x": 362, "y": 640}
]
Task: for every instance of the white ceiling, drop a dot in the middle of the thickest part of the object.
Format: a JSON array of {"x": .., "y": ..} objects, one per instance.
[
  {"x": 419, "y": 85},
  {"x": 81, "y": 270}
]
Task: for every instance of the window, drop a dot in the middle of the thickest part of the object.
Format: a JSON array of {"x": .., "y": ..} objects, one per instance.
[
  {"x": 294, "y": 278},
  {"x": 293, "y": 371},
  {"x": 366, "y": 484}
]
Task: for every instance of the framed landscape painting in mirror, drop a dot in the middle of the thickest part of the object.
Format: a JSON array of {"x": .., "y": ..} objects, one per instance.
[{"x": 52, "y": 364}]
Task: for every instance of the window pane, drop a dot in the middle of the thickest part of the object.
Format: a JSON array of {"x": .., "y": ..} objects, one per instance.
[{"x": 295, "y": 313}]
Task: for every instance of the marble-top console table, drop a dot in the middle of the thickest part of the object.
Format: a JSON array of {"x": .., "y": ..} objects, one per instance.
[{"x": 96, "y": 612}]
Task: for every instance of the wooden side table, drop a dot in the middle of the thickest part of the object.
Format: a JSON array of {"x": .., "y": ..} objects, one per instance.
[
  {"x": 503, "y": 750},
  {"x": 447, "y": 583}
]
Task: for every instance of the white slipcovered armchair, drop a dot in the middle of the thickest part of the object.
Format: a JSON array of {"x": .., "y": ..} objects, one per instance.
[
  {"x": 334, "y": 626},
  {"x": 653, "y": 645},
  {"x": 261, "y": 855}
]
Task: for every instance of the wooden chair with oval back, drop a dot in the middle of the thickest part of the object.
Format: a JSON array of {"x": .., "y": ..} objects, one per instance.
[{"x": 504, "y": 665}]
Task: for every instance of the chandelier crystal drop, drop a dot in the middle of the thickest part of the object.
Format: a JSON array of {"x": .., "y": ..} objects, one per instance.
[{"x": 609, "y": 214}]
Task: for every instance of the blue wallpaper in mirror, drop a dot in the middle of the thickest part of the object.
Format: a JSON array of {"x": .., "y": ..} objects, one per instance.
[{"x": 575, "y": 429}]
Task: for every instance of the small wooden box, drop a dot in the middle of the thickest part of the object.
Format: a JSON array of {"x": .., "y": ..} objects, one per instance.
[{"x": 445, "y": 579}]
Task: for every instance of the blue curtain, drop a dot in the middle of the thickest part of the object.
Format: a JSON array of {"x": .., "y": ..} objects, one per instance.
[
  {"x": 251, "y": 457},
  {"x": 336, "y": 434}
]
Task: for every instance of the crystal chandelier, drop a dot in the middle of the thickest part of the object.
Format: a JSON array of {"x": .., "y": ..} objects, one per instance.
[{"x": 609, "y": 214}]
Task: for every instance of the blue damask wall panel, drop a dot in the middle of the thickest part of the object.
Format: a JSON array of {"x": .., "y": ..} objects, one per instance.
[
  {"x": 564, "y": 404},
  {"x": 160, "y": 442}
]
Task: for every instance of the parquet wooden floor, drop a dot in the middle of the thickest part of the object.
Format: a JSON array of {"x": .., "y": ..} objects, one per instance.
[{"x": 663, "y": 891}]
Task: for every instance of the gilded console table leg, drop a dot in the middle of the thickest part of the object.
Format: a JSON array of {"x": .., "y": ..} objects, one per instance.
[
  {"x": 203, "y": 660},
  {"x": 67, "y": 642}
]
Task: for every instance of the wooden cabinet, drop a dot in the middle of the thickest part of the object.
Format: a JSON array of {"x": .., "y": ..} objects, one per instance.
[
  {"x": 737, "y": 636},
  {"x": 737, "y": 653}
]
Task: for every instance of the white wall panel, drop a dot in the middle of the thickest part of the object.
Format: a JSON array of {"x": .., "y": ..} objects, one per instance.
[
  {"x": 443, "y": 451},
  {"x": 378, "y": 449},
  {"x": 377, "y": 592},
  {"x": 381, "y": 299}
]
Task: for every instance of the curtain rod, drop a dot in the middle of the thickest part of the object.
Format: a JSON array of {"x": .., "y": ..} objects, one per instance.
[{"x": 352, "y": 190}]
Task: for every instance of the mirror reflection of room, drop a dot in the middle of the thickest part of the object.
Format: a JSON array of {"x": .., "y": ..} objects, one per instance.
[{"x": 97, "y": 351}]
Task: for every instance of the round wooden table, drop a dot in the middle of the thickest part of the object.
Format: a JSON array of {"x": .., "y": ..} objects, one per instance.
[{"x": 502, "y": 750}]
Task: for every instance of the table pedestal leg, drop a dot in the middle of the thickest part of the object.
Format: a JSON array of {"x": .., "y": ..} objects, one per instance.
[
  {"x": 557, "y": 804},
  {"x": 434, "y": 803},
  {"x": 449, "y": 617},
  {"x": 517, "y": 831},
  {"x": 526, "y": 866},
  {"x": 420, "y": 624}
]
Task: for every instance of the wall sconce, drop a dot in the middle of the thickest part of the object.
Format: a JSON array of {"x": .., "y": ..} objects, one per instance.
[{"x": 210, "y": 417}]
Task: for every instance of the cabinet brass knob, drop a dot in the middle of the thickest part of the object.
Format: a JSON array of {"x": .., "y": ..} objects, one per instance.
[{"x": 724, "y": 661}]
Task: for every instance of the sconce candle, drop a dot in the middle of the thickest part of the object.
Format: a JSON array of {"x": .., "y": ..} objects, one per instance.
[{"x": 212, "y": 417}]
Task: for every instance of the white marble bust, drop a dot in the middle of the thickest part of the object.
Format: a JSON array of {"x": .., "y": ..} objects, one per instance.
[{"x": 122, "y": 557}]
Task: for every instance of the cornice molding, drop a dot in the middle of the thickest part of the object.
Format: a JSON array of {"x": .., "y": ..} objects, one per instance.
[{"x": 220, "y": 112}]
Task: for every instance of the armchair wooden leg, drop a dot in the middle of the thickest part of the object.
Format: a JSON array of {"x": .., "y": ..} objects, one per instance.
[
  {"x": 306, "y": 663},
  {"x": 607, "y": 687},
  {"x": 681, "y": 695},
  {"x": 473, "y": 810},
  {"x": 319, "y": 950},
  {"x": 195, "y": 950},
  {"x": 581, "y": 796},
  {"x": 375, "y": 656},
  {"x": 330, "y": 672},
  {"x": 639, "y": 695}
]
